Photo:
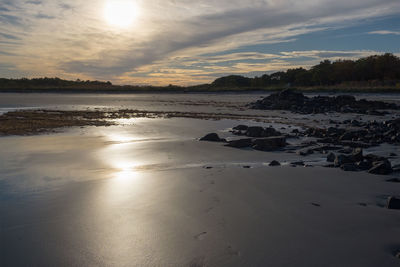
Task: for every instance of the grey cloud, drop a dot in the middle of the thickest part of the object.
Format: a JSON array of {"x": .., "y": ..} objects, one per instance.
[
  {"x": 9, "y": 36},
  {"x": 10, "y": 19},
  {"x": 6, "y": 53},
  {"x": 337, "y": 54},
  {"x": 44, "y": 16},
  {"x": 34, "y": 2},
  {"x": 66, "y": 6}
]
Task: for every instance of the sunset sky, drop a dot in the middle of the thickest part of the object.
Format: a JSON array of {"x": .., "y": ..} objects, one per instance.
[{"x": 186, "y": 42}]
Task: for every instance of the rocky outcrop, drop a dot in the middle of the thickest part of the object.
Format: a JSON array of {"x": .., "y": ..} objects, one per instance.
[
  {"x": 255, "y": 131},
  {"x": 297, "y": 102}
]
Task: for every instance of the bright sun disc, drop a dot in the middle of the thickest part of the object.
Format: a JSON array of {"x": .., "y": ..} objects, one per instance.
[{"x": 121, "y": 13}]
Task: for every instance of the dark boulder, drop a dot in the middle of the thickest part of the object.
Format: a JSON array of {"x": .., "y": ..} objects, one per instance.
[
  {"x": 393, "y": 180},
  {"x": 357, "y": 154},
  {"x": 240, "y": 143},
  {"x": 241, "y": 128},
  {"x": 342, "y": 159},
  {"x": 274, "y": 163},
  {"x": 349, "y": 167},
  {"x": 269, "y": 143},
  {"x": 381, "y": 167},
  {"x": 305, "y": 152},
  {"x": 393, "y": 203},
  {"x": 271, "y": 132},
  {"x": 331, "y": 157},
  {"x": 212, "y": 137},
  {"x": 255, "y": 131},
  {"x": 364, "y": 165}
]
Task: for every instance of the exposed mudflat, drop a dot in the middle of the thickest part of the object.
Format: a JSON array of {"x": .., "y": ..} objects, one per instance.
[{"x": 132, "y": 185}]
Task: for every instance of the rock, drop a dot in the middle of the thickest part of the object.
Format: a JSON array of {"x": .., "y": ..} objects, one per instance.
[
  {"x": 393, "y": 203},
  {"x": 349, "y": 167},
  {"x": 342, "y": 159},
  {"x": 212, "y": 137},
  {"x": 364, "y": 165},
  {"x": 240, "y": 143},
  {"x": 305, "y": 152},
  {"x": 298, "y": 163},
  {"x": 357, "y": 154},
  {"x": 329, "y": 166},
  {"x": 381, "y": 167},
  {"x": 241, "y": 128},
  {"x": 393, "y": 155},
  {"x": 274, "y": 163},
  {"x": 297, "y": 102},
  {"x": 269, "y": 143},
  {"x": 331, "y": 157},
  {"x": 270, "y": 132},
  {"x": 346, "y": 150},
  {"x": 255, "y": 131},
  {"x": 393, "y": 180}
]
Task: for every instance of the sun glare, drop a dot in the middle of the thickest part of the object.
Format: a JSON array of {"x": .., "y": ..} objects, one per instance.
[{"x": 120, "y": 13}]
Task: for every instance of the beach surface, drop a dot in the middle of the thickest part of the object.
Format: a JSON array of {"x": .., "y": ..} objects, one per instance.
[{"x": 146, "y": 192}]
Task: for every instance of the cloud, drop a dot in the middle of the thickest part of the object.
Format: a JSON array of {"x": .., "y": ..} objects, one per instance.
[
  {"x": 44, "y": 16},
  {"x": 34, "y": 2},
  {"x": 8, "y": 36},
  {"x": 384, "y": 32},
  {"x": 264, "y": 22}
]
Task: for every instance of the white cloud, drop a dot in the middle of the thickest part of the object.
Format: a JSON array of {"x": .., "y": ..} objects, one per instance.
[{"x": 384, "y": 32}]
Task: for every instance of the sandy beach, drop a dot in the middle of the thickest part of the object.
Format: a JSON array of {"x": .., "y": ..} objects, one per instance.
[{"x": 146, "y": 192}]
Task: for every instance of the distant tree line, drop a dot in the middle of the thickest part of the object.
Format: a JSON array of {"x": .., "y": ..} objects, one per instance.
[
  {"x": 48, "y": 82},
  {"x": 378, "y": 70},
  {"x": 374, "y": 71}
]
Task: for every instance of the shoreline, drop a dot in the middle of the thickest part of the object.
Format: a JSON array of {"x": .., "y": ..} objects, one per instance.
[{"x": 188, "y": 90}]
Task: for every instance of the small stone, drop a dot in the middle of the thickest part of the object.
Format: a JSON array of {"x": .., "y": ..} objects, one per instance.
[
  {"x": 298, "y": 163},
  {"x": 393, "y": 203},
  {"x": 212, "y": 137},
  {"x": 331, "y": 157},
  {"x": 349, "y": 167},
  {"x": 381, "y": 167},
  {"x": 342, "y": 159},
  {"x": 393, "y": 180},
  {"x": 274, "y": 163}
]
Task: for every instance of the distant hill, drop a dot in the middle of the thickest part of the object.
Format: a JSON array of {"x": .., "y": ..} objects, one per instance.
[
  {"x": 373, "y": 72},
  {"x": 383, "y": 70}
]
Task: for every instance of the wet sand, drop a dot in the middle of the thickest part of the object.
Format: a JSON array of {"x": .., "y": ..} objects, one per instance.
[{"x": 146, "y": 192}]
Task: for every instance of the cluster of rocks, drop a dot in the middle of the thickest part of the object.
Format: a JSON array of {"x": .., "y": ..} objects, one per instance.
[
  {"x": 359, "y": 134},
  {"x": 258, "y": 138},
  {"x": 356, "y": 161},
  {"x": 299, "y": 103}
]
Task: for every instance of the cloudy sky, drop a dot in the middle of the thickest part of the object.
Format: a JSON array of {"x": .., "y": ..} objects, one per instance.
[{"x": 186, "y": 42}]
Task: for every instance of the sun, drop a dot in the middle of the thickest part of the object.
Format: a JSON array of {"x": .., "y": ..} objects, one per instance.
[{"x": 120, "y": 13}]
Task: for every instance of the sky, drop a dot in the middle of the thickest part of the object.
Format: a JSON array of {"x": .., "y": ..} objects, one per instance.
[{"x": 186, "y": 42}]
